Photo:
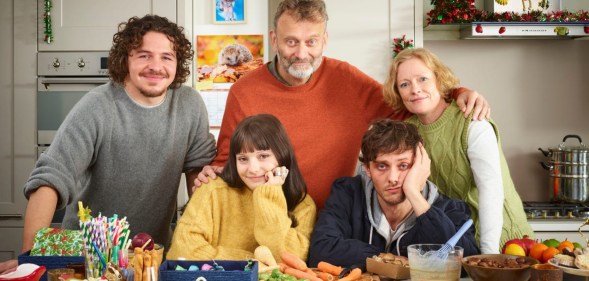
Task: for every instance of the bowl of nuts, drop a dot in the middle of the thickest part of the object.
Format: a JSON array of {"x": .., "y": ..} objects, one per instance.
[{"x": 498, "y": 267}]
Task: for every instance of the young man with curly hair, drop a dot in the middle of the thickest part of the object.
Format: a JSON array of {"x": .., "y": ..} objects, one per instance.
[{"x": 123, "y": 147}]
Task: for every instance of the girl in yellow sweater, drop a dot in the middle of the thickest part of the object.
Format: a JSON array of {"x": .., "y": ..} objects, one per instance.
[{"x": 260, "y": 198}]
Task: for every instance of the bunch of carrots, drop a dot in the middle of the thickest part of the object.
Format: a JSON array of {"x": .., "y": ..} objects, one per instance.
[{"x": 294, "y": 266}]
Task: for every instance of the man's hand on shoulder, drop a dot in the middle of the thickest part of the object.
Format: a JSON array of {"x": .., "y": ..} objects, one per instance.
[{"x": 203, "y": 176}]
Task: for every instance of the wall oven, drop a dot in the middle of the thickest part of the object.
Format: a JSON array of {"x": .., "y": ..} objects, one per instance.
[{"x": 63, "y": 78}]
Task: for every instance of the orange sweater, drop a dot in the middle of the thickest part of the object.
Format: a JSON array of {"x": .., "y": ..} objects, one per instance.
[{"x": 325, "y": 118}]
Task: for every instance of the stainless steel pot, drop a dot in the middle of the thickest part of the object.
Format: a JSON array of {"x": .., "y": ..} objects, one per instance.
[
  {"x": 569, "y": 171},
  {"x": 568, "y": 154}
]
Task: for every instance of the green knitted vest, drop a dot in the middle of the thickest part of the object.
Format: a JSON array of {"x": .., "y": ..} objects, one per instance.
[{"x": 446, "y": 143}]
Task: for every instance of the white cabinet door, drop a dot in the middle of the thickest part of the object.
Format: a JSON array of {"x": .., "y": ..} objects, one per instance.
[
  {"x": 358, "y": 32},
  {"x": 17, "y": 105},
  {"x": 11, "y": 243},
  {"x": 88, "y": 25},
  {"x": 406, "y": 19}
]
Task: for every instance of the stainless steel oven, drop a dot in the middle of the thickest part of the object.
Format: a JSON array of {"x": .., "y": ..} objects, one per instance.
[
  {"x": 63, "y": 78},
  {"x": 558, "y": 220}
]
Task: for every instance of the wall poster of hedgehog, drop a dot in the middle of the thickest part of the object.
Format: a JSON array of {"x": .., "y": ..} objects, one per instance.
[{"x": 225, "y": 58}]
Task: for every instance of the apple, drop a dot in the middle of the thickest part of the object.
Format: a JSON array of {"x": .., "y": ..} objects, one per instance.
[
  {"x": 513, "y": 241},
  {"x": 140, "y": 239},
  {"x": 528, "y": 243}
]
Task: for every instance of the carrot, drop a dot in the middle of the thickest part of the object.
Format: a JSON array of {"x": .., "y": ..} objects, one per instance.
[
  {"x": 329, "y": 268},
  {"x": 293, "y": 261},
  {"x": 355, "y": 274},
  {"x": 282, "y": 266},
  {"x": 310, "y": 271},
  {"x": 301, "y": 274},
  {"x": 325, "y": 276}
]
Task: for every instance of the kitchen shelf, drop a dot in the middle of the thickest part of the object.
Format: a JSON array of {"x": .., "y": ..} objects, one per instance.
[{"x": 510, "y": 30}]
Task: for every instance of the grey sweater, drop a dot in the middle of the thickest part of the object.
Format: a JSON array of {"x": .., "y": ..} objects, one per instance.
[{"x": 118, "y": 157}]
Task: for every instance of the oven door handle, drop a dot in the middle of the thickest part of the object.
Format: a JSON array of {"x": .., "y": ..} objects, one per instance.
[{"x": 77, "y": 81}]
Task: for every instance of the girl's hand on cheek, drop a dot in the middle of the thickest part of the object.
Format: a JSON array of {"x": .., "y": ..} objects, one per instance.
[{"x": 277, "y": 176}]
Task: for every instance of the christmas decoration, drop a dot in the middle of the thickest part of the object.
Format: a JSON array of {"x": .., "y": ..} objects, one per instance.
[
  {"x": 400, "y": 44},
  {"x": 464, "y": 11},
  {"x": 47, "y": 19}
]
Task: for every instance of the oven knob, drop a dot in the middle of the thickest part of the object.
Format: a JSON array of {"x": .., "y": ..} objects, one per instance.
[
  {"x": 56, "y": 63},
  {"x": 81, "y": 63},
  {"x": 544, "y": 213},
  {"x": 557, "y": 214},
  {"x": 570, "y": 214}
]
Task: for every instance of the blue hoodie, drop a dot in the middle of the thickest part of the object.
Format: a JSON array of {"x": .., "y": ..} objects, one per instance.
[{"x": 351, "y": 226}]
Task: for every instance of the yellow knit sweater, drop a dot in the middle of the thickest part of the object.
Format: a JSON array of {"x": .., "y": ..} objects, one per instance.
[{"x": 221, "y": 222}]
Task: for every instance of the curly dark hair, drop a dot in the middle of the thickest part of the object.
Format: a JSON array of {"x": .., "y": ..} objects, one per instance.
[
  {"x": 130, "y": 37},
  {"x": 387, "y": 136}
]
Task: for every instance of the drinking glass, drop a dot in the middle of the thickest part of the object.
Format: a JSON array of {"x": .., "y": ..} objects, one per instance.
[{"x": 425, "y": 263}]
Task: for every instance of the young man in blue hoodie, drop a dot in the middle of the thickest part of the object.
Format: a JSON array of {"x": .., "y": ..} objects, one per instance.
[{"x": 388, "y": 207}]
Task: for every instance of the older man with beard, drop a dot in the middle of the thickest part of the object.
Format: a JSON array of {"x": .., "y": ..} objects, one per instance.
[
  {"x": 388, "y": 207},
  {"x": 325, "y": 104}
]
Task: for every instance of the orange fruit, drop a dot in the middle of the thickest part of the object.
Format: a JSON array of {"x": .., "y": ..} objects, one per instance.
[
  {"x": 537, "y": 250},
  {"x": 549, "y": 253},
  {"x": 566, "y": 244}
]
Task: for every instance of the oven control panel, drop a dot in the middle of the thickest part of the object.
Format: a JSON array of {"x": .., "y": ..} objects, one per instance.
[{"x": 72, "y": 64}]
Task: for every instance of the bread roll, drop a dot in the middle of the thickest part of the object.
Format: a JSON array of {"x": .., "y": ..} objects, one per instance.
[{"x": 582, "y": 261}]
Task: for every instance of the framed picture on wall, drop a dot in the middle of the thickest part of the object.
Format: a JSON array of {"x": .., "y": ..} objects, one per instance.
[
  {"x": 226, "y": 58},
  {"x": 229, "y": 11}
]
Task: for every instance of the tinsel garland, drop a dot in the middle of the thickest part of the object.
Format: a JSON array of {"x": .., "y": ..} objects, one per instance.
[
  {"x": 464, "y": 11},
  {"x": 47, "y": 19}
]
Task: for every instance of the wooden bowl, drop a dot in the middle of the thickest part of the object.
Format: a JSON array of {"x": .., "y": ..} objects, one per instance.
[{"x": 483, "y": 273}]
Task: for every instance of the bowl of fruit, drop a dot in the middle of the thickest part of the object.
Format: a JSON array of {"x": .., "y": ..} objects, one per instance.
[
  {"x": 498, "y": 267},
  {"x": 542, "y": 251}
]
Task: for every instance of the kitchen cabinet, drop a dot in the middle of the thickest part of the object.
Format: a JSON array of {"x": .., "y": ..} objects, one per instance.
[
  {"x": 17, "y": 118},
  {"x": 88, "y": 25}
]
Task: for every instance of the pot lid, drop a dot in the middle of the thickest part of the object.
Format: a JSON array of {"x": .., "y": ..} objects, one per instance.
[{"x": 563, "y": 147}]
